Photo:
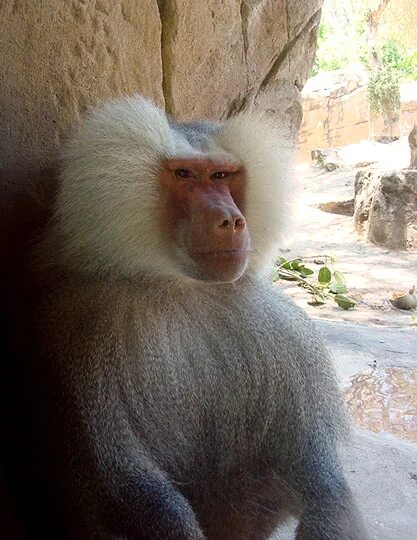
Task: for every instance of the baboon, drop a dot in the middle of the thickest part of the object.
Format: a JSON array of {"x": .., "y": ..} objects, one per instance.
[{"x": 184, "y": 396}]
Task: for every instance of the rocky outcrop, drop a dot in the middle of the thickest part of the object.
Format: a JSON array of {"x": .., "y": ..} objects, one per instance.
[
  {"x": 386, "y": 208},
  {"x": 365, "y": 187}
]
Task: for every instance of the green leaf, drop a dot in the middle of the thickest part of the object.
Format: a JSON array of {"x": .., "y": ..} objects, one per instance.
[
  {"x": 296, "y": 264},
  {"x": 306, "y": 271},
  {"x": 283, "y": 263},
  {"x": 337, "y": 288},
  {"x": 345, "y": 302},
  {"x": 339, "y": 278},
  {"x": 324, "y": 275}
]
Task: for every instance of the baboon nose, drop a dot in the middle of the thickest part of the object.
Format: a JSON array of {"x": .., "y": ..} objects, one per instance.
[{"x": 235, "y": 222}]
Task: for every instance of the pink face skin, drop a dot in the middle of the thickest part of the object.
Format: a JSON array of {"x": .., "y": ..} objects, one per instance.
[{"x": 207, "y": 196}]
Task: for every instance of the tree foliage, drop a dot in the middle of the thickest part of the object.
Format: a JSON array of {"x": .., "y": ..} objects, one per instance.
[{"x": 348, "y": 33}]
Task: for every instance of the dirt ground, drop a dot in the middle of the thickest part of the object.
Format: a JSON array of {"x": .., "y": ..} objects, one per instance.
[{"x": 372, "y": 273}]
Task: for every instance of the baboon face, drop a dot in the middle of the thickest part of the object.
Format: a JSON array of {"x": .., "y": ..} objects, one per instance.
[{"x": 204, "y": 205}]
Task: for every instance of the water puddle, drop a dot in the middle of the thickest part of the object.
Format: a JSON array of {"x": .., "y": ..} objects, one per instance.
[{"x": 385, "y": 400}]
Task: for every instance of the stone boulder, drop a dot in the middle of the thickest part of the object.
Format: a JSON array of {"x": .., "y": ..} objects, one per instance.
[
  {"x": 327, "y": 158},
  {"x": 365, "y": 187},
  {"x": 386, "y": 208}
]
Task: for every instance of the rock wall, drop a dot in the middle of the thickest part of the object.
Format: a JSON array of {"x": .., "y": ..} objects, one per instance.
[
  {"x": 200, "y": 58},
  {"x": 335, "y": 111},
  {"x": 399, "y": 22},
  {"x": 205, "y": 58}
]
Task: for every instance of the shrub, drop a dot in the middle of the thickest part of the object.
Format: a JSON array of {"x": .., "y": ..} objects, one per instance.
[{"x": 384, "y": 94}]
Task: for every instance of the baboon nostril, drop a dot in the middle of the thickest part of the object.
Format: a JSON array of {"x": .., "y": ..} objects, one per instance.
[
  {"x": 240, "y": 223},
  {"x": 232, "y": 221}
]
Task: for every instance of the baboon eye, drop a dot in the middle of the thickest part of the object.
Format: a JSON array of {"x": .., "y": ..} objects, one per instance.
[
  {"x": 183, "y": 173},
  {"x": 220, "y": 175}
]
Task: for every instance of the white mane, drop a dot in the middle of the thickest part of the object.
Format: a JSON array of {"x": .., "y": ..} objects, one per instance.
[{"x": 108, "y": 209}]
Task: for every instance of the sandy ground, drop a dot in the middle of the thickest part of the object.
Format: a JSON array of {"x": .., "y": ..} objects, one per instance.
[{"x": 372, "y": 272}]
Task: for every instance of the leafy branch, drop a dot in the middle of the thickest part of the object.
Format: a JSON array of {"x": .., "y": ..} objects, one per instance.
[{"x": 330, "y": 283}]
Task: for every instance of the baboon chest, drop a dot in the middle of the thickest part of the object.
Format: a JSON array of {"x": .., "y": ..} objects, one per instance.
[{"x": 208, "y": 382}]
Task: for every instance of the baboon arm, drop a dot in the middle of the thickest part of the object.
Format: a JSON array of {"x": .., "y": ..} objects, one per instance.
[
  {"x": 329, "y": 511},
  {"x": 332, "y": 521}
]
